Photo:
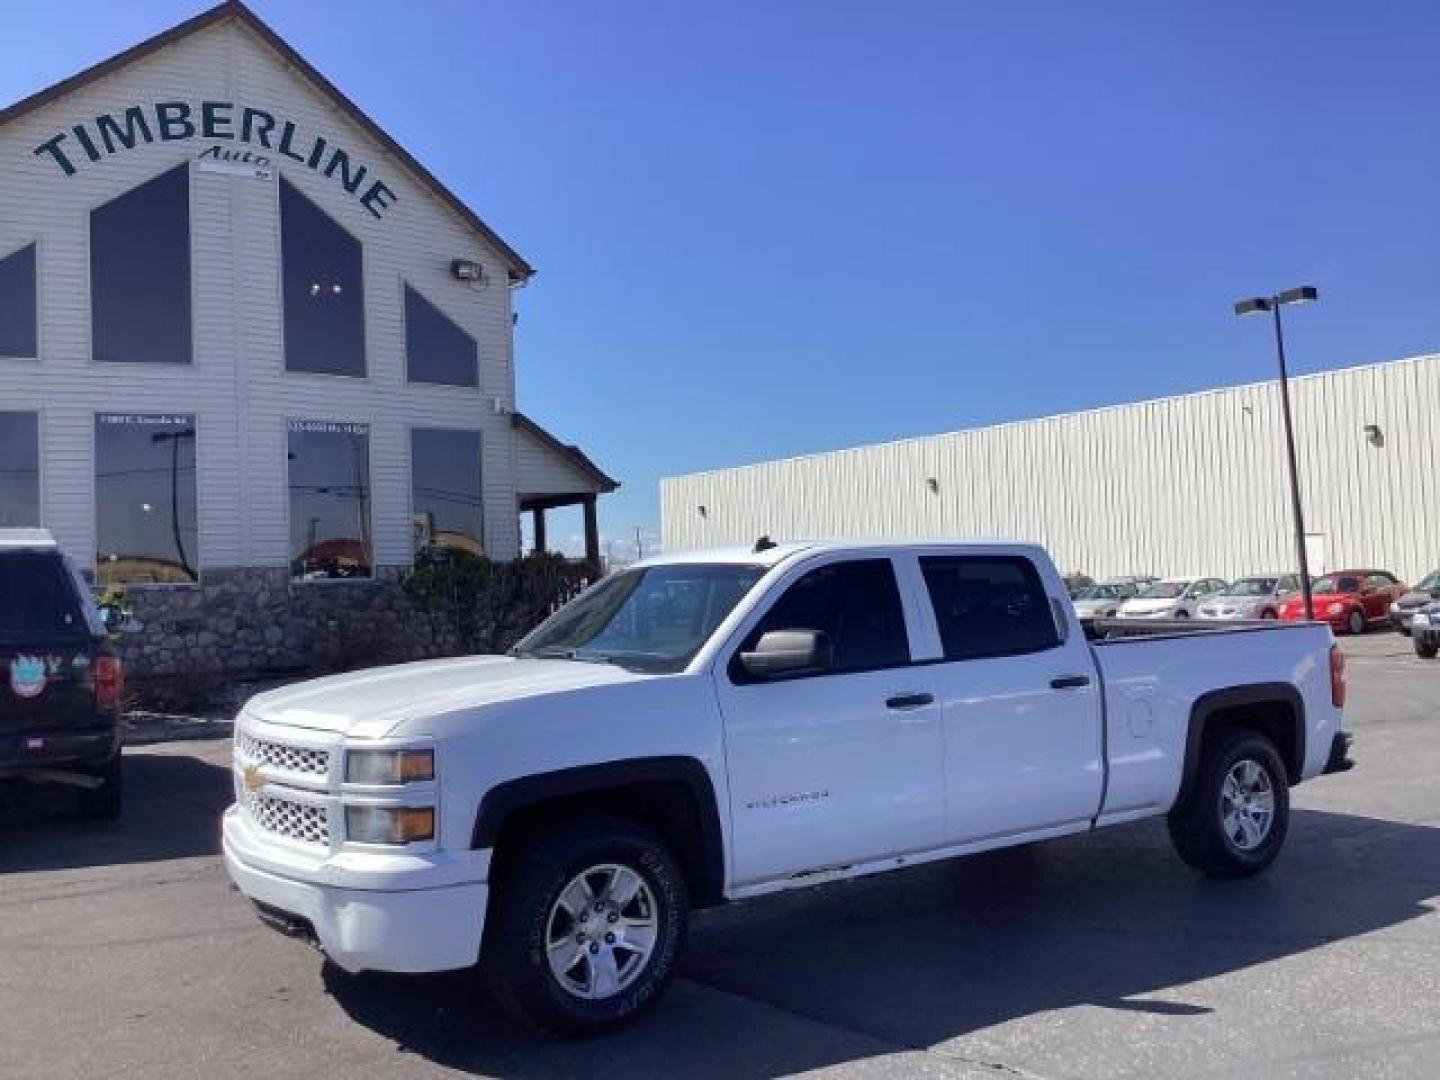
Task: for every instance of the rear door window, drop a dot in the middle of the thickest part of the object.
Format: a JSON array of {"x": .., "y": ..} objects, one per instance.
[
  {"x": 989, "y": 605},
  {"x": 37, "y": 599}
]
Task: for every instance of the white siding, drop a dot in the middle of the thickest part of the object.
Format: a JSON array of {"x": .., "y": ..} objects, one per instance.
[
  {"x": 238, "y": 387},
  {"x": 540, "y": 470},
  {"x": 1193, "y": 484}
]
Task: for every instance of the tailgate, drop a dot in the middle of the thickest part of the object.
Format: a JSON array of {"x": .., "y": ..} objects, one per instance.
[{"x": 47, "y": 653}]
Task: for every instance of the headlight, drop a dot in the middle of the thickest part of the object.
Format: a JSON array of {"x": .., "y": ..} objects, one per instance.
[
  {"x": 1394, "y": 608},
  {"x": 389, "y": 824},
  {"x": 1334, "y": 609},
  {"x": 389, "y": 766}
]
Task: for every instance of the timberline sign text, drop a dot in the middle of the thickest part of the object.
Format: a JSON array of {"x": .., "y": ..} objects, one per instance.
[{"x": 174, "y": 121}]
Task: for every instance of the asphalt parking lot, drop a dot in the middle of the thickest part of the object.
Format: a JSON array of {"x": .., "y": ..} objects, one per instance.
[{"x": 124, "y": 953}]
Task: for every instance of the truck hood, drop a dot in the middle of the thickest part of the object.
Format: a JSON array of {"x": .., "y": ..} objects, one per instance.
[{"x": 370, "y": 704}]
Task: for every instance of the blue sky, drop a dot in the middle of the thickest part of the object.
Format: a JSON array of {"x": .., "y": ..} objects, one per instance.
[{"x": 768, "y": 228}]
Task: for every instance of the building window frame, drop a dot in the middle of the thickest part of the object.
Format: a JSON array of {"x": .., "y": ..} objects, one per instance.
[
  {"x": 406, "y": 287},
  {"x": 285, "y": 431},
  {"x": 367, "y": 373},
  {"x": 94, "y": 561},
  {"x": 141, "y": 365},
  {"x": 479, "y": 433},
  {"x": 38, "y": 243}
]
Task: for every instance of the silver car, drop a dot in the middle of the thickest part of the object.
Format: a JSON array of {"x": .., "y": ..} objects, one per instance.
[
  {"x": 1103, "y": 600},
  {"x": 1254, "y": 597}
]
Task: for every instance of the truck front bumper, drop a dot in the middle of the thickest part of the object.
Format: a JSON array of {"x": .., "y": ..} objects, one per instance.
[{"x": 410, "y": 929}]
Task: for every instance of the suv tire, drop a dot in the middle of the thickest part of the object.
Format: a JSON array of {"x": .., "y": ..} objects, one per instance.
[
  {"x": 540, "y": 939},
  {"x": 1233, "y": 822},
  {"x": 104, "y": 803},
  {"x": 1355, "y": 622},
  {"x": 1426, "y": 651}
]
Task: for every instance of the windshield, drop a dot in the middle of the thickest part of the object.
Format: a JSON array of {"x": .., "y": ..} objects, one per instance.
[
  {"x": 1253, "y": 586},
  {"x": 1163, "y": 590},
  {"x": 654, "y": 619},
  {"x": 1344, "y": 584},
  {"x": 1430, "y": 582},
  {"x": 1099, "y": 592}
]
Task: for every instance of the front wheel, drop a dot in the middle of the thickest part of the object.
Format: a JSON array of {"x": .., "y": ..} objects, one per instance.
[
  {"x": 586, "y": 927},
  {"x": 1233, "y": 822},
  {"x": 1182, "y": 614},
  {"x": 1426, "y": 650},
  {"x": 1355, "y": 623}
]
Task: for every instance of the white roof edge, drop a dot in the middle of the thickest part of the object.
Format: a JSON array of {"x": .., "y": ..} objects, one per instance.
[
  {"x": 1310, "y": 376},
  {"x": 28, "y": 539}
]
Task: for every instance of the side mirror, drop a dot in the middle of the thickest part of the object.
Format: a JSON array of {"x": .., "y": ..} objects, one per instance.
[{"x": 786, "y": 652}]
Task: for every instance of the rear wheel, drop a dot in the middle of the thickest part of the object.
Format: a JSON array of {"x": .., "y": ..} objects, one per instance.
[
  {"x": 1233, "y": 823},
  {"x": 1355, "y": 622},
  {"x": 1269, "y": 613},
  {"x": 103, "y": 803},
  {"x": 584, "y": 933}
]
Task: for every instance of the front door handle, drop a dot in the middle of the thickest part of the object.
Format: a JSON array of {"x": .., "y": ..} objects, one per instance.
[
  {"x": 909, "y": 701},
  {"x": 1069, "y": 682}
]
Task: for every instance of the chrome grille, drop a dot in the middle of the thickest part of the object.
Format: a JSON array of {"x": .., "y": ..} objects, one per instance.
[
  {"x": 291, "y": 759},
  {"x": 293, "y": 820}
]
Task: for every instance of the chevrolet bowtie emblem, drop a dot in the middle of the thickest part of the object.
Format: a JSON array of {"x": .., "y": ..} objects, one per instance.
[{"x": 254, "y": 779}]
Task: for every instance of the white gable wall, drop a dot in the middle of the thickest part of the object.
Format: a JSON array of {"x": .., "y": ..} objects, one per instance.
[{"x": 238, "y": 387}]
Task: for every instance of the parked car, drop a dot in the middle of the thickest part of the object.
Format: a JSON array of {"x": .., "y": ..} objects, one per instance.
[
  {"x": 1349, "y": 600},
  {"x": 1255, "y": 597},
  {"x": 1425, "y": 631},
  {"x": 702, "y": 728},
  {"x": 1171, "y": 598},
  {"x": 1103, "y": 600},
  {"x": 60, "y": 698},
  {"x": 1404, "y": 609},
  {"x": 1075, "y": 584}
]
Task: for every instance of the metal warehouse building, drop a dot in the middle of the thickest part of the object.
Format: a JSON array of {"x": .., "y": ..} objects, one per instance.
[
  {"x": 253, "y": 355},
  {"x": 1192, "y": 484}
]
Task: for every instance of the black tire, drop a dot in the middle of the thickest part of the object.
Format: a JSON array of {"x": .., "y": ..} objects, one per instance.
[
  {"x": 1182, "y": 614},
  {"x": 1426, "y": 651},
  {"x": 515, "y": 959},
  {"x": 1355, "y": 623},
  {"x": 1401, "y": 628},
  {"x": 105, "y": 802},
  {"x": 1269, "y": 613},
  {"x": 1197, "y": 827}
]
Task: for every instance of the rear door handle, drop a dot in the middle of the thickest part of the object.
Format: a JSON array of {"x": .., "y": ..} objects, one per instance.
[
  {"x": 909, "y": 701},
  {"x": 1069, "y": 682}
]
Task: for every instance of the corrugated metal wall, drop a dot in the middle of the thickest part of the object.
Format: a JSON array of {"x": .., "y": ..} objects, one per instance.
[{"x": 1192, "y": 484}]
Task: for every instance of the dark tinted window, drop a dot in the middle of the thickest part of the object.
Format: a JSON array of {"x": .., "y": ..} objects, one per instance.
[
  {"x": 856, "y": 605},
  {"x": 445, "y": 489},
  {"x": 324, "y": 297},
  {"x": 17, "y": 304},
  {"x": 145, "y": 498},
  {"x": 989, "y": 606},
  {"x": 436, "y": 349},
  {"x": 329, "y": 499},
  {"x": 37, "y": 598},
  {"x": 19, "y": 469},
  {"x": 140, "y": 273}
]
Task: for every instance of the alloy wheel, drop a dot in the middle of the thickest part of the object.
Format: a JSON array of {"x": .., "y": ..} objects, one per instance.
[
  {"x": 601, "y": 931},
  {"x": 1247, "y": 804}
]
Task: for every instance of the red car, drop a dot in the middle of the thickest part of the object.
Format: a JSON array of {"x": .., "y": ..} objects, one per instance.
[{"x": 1349, "y": 600}]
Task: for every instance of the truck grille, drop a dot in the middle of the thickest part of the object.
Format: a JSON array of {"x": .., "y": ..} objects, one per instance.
[
  {"x": 293, "y": 820},
  {"x": 291, "y": 759}
]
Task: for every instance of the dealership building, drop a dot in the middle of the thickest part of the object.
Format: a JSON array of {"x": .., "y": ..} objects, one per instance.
[
  {"x": 1184, "y": 485},
  {"x": 252, "y": 351}
]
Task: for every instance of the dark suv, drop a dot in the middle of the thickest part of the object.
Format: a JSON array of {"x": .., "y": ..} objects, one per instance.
[
  {"x": 1404, "y": 610},
  {"x": 60, "y": 682}
]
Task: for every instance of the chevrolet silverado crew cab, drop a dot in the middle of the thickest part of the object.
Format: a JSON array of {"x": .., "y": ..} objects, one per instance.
[
  {"x": 709, "y": 727},
  {"x": 60, "y": 682}
]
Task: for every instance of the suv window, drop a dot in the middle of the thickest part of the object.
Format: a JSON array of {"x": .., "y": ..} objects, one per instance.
[
  {"x": 989, "y": 605},
  {"x": 1379, "y": 581},
  {"x": 37, "y": 599},
  {"x": 856, "y": 605}
]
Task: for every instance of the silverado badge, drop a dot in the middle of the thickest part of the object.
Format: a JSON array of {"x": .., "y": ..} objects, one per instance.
[{"x": 254, "y": 779}]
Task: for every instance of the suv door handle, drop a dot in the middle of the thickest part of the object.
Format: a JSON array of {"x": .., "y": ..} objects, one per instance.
[
  {"x": 1069, "y": 682},
  {"x": 909, "y": 701}
]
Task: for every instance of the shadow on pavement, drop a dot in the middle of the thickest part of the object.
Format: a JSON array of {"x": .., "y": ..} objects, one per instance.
[
  {"x": 172, "y": 811},
  {"x": 910, "y": 960}
]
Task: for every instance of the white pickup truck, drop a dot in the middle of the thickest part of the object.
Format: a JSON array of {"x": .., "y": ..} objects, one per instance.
[{"x": 704, "y": 728}]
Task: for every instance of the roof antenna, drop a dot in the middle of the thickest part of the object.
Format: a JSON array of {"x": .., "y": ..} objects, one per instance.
[{"x": 764, "y": 544}]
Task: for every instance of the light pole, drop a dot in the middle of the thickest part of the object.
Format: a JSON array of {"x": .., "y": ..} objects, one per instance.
[{"x": 1301, "y": 295}]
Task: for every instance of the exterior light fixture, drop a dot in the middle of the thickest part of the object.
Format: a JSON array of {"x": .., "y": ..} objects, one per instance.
[
  {"x": 933, "y": 484},
  {"x": 1374, "y": 434},
  {"x": 703, "y": 511},
  {"x": 1302, "y": 294},
  {"x": 466, "y": 270}
]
